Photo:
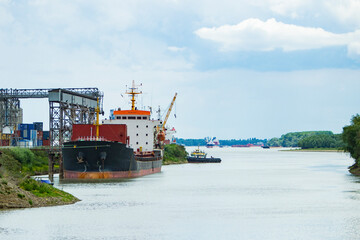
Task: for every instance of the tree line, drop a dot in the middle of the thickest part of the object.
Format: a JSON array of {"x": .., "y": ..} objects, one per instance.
[
  {"x": 351, "y": 138},
  {"x": 308, "y": 139},
  {"x": 202, "y": 142}
]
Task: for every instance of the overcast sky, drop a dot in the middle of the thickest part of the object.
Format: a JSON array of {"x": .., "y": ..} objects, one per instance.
[{"x": 241, "y": 68}]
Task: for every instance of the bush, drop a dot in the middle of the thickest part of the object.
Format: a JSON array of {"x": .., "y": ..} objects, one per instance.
[
  {"x": 35, "y": 187},
  {"x": 351, "y": 138},
  {"x": 175, "y": 153},
  {"x": 21, "y": 196},
  {"x": 32, "y": 162}
]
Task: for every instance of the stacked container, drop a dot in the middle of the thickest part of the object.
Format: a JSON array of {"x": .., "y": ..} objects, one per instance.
[
  {"x": 46, "y": 138},
  {"x": 31, "y": 135},
  {"x": 25, "y": 129}
]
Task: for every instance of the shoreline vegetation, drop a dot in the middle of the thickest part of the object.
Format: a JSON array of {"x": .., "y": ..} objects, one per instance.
[
  {"x": 174, "y": 154},
  {"x": 18, "y": 189},
  {"x": 351, "y": 138}
]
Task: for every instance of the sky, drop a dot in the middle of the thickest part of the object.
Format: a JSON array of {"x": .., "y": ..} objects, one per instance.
[{"x": 241, "y": 69}]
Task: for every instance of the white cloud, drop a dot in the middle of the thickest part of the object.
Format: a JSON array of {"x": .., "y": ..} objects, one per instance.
[
  {"x": 354, "y": 49},
  {"x": 346, "y": 11},
  {"x": 176, "y": 49},
  {"x": 290, "y": 8},
  {"x": 256, "y": 35}
]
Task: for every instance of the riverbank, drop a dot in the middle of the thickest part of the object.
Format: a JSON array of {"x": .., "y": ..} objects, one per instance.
[
  {"x": 314, "y": 150},
  {"x": 354, "y": 169},
  {"x": 19, "y": 190}
]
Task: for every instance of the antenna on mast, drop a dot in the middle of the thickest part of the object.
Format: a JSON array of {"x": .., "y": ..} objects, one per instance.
[{"x": 133, "y": 91}]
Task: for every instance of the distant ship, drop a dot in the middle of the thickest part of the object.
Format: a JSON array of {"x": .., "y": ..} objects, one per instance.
[
  {"x": 169, "y": 136},
  {"x": 129, "y": 144},
  {"x": 212, "y": 142}
]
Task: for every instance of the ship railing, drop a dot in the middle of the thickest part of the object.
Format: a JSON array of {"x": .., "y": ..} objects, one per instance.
[{"x": 91, "y": 138}]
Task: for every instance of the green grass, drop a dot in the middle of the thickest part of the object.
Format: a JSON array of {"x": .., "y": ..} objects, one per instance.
[
  {"x": 45, "y": 190},
  {"x": 21, "y": 196}
]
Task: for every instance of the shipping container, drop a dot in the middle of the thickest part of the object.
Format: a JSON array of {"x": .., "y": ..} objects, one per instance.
[
  {"x": 39, "y": 142},
  {"x": 25, "y": 134},
  {"x": 46, "y": 135},
  {"x": 46, "y": 142},
  {"x": 39, "y": 135},
  {"x": 33, "y": 135},
  {"x": 17, "y": 133},
  {"x": 4, "y": 142},
  {"x": 25, "y": 143},
  {"x": 26, "y": 126},
  {"x": 38, "y": 126}
]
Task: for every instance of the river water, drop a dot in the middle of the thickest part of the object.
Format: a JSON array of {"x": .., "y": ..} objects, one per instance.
[{"x": 254, "y": 193}]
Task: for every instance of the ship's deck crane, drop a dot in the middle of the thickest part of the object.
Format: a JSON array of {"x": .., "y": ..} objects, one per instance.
[{"x": 168, "y": 112}]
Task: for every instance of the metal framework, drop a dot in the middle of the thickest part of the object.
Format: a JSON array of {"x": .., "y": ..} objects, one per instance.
[{"x": 67, "y": 106}]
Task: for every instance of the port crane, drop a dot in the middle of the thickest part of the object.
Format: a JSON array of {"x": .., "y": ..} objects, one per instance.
[{"x": 168, "y": 112}]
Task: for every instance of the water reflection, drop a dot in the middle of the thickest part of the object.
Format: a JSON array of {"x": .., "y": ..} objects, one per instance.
[{"x": 252, "y": 194}]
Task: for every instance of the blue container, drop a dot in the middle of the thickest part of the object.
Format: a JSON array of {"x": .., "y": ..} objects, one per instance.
[
  {"x": 33, "y": 134},
  {"x": 25, "y": 134},
  {"x": 39, "y": 142},
  {"x": 46, "y": 135},
  {"x": 38, "y": 126},
  {"x": 26, "y": 126}
]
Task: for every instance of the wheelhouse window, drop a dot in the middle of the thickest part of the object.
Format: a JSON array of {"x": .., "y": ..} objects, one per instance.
[
  {"x": 131, "y": 117},
  {"x": 118, "y": 117},
  {"x": 138, "y": 117},
  {"x": 145, "y": 118},
  {"x": 124, "y": 117}
]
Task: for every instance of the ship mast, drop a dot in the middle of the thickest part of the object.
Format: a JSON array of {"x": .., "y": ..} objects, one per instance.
[
  {"x": 97, "y": 124},
  {"x": 133, "y": 92}
]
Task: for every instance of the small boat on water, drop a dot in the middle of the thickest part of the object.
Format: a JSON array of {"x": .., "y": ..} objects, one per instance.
[{"x": 198, "y": 156}]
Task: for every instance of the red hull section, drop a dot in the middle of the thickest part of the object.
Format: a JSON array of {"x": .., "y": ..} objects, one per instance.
[
  {"x": 109, "y": 175},
  {"x": 110, "y": 132}
]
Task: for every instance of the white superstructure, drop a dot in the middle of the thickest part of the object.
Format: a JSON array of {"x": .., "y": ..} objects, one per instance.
[{"x": 140, "y": 128}]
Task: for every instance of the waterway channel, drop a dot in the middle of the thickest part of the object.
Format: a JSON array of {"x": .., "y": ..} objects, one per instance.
[{"x": 254, "y": 193}]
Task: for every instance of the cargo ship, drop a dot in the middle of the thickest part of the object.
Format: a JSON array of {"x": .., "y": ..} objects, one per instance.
[{"x": 128, "y": 144}]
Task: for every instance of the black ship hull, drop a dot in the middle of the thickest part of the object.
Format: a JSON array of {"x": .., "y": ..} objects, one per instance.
[
  {"x": 203, "y": 160},
  {"x": 105, "y": 159}
]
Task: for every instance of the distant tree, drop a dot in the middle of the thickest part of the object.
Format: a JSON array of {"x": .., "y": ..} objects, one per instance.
[
  {"x": 202, "y": 142},
  {"x": 322, "y": 141},
  {"x": 351, "y": 138},
  {"x": 292, "y": 139},
  {"x": 274, "y": 142}
]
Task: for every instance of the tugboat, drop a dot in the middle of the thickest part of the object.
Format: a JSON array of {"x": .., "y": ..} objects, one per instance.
[
  {"x": 198, "y": 156},
  {"x": 129, "y": 144}
]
